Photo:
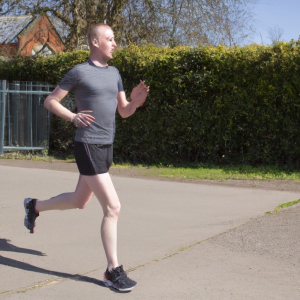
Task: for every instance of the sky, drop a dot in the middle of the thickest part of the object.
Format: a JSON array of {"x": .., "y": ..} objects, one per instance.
[{"x": 284, "y": 13}]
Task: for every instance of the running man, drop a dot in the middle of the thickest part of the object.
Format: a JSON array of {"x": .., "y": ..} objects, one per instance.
[{"x": 98, "y": 91}]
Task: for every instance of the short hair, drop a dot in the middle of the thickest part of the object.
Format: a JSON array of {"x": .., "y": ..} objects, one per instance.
[{"x": 94, "y": 32}]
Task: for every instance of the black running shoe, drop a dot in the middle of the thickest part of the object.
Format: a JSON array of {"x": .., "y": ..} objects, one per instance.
[
  {"x": 118, "y": 279},
  {"x": 30, "y": 214}
]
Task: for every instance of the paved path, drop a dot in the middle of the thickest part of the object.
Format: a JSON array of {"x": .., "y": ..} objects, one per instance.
[{"x": 64, "y": 259}]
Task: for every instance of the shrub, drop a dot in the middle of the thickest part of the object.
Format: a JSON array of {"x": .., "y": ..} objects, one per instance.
[{"x": 233, "y": 105}]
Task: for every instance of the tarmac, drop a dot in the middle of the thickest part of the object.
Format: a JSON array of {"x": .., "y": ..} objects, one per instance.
[{"x": 178, "y": 240}]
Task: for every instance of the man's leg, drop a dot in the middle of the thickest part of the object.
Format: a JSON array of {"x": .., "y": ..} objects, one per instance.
[
  {"x": 105, "y": 192},
  {"x": 77, "y": 199}
]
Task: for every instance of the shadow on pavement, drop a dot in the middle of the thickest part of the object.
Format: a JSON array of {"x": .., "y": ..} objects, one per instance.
[
  {"x": 27, "y": 267},
  {"x": 6, "y": 246}
]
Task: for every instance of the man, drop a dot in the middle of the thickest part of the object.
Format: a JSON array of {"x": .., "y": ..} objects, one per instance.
[{"x": 98, "y": 91}]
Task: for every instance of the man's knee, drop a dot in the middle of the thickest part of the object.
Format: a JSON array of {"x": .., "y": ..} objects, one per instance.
[
  {"x": 81, "y": 205},
  {"x": 114, "y": 210}
]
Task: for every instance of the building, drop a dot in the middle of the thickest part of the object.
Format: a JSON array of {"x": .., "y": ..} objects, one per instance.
[{"x": 27, "y": 35}]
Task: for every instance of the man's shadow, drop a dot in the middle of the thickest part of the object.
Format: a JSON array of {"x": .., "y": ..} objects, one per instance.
[{"x": 6, "y": 246}]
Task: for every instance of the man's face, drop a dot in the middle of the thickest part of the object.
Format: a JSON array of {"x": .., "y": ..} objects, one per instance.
[{"x": 105, "y": 43}]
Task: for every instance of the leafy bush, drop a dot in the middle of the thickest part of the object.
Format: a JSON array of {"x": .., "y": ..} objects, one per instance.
[
  {"x": 62, "y": 134},
  {"x": 236, "y": 105}
]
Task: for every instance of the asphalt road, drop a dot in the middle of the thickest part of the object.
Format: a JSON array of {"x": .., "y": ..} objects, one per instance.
[{"x": 177, "y": 240}]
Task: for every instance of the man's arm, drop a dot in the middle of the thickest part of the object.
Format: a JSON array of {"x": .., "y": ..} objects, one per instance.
[
  {"x": 138, "y": 97},
  {"x": 53, "y": 105}
]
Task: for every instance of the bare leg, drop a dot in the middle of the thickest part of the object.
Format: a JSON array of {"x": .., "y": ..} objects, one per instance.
[
  {"x": 105, "y": 192},
  {"x": 77, "y": 199}
]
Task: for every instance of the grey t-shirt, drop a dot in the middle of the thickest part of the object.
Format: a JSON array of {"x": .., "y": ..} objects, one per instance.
[{"x": 95, "y": 88}]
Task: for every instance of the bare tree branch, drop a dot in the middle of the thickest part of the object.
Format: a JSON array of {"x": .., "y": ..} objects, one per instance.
[
  {"x": 161, "y": 22},
  {"x": 275, "y": 33}
]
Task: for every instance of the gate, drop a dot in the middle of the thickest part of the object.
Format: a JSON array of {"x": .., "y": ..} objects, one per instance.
[{"x": 24, "y": 121}]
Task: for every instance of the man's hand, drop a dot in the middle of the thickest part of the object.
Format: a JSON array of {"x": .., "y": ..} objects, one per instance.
[
  {"x": 138, "y": 97},
  {"x": 83, "y": 119},
  {"x": 139, "y": 94}
]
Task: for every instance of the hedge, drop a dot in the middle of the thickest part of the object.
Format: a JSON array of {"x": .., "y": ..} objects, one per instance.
[{"x": 231, "y": 105}]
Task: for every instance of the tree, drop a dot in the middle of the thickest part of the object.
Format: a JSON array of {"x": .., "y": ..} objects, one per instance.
[
  {"x": 208, "y": 21},
  {"x": 275, "y": 33},
  {"x": 11, "y": 8},
  {"x": 161, "y": 22},
  {"x": 141, "y": 21},
  {"x": 73, "y": 18}
]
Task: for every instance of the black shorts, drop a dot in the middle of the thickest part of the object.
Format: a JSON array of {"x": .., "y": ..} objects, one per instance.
[{"x": 93, "y": 159}]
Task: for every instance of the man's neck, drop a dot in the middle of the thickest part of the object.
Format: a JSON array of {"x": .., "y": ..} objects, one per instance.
[{"x": 98, "y": 61}]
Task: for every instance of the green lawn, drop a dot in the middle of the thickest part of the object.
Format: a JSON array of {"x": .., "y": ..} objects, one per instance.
[
  {"x": 199, "y": 171},
  {"x": 220, "y": 172}
]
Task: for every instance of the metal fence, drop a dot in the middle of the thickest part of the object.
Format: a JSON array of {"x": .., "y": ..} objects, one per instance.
[{"x": 24, "y": 121}]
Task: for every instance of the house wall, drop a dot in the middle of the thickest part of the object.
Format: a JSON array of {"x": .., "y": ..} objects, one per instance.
[
  {"x": 40, "y": 32},
  {"x": 9, "y": 49},
  {"x": 37, "y": 34}
]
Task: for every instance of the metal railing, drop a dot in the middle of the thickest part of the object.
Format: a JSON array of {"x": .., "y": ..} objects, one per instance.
[{"x": 24, "y": 121}]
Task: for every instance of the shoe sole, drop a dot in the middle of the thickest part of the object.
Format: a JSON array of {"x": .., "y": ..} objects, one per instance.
[
  {"x": 32, "y": 230},
  {"x": 108, "y": 283}
]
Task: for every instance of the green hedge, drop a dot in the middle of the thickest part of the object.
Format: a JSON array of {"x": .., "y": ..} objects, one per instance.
[{"x": 237, "y": 105}]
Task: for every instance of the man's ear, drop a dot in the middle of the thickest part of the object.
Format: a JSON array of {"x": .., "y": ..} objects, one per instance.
[{"x": 95, "y": 43}]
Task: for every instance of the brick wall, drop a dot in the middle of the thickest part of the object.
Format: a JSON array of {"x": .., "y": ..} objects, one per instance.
[
  {"x": 39, "y": 33},
  {"x": 9, "y": 49}
]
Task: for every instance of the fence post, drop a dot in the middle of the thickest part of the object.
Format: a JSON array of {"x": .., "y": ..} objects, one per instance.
[{"x": 3, "y": 98}]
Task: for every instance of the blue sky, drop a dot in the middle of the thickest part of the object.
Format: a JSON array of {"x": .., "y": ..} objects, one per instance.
[{"x": 284, "y": 13}]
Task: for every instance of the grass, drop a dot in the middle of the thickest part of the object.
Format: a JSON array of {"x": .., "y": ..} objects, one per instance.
[
  {"x": 282, "y": 206},
  {"x": 221, "y": 173},
  {"x": 37, "y": 156},
  {"x": 184, "y": 171}
]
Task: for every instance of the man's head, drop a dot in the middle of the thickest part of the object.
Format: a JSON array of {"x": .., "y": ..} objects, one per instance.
[{"x": 101, "y": 40}]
